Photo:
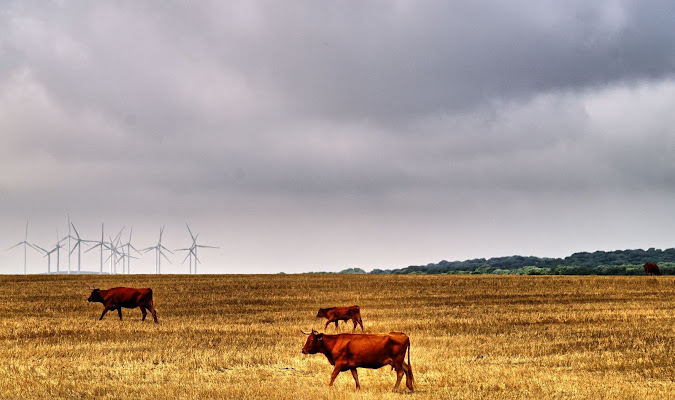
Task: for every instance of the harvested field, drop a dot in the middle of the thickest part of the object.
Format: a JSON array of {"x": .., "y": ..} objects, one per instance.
[{"x": 238, "y": 337}]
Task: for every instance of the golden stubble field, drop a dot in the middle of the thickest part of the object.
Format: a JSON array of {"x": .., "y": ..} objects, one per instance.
[{"x": 238, "y": 337}]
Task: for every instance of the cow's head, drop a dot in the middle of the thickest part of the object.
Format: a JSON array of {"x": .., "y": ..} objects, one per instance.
[
  {"x": 95, "y": 296},
  {"x": 322, "y": 313},
  {"x": 314, "y": 343}
]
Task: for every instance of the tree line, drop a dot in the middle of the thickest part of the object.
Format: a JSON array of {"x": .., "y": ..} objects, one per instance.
[{"x": 619, "y": 262}]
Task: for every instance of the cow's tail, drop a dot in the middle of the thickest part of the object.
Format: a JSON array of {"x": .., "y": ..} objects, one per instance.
[{"x": 410, "y": 372}]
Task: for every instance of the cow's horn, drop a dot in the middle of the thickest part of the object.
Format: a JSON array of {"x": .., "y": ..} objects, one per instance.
[{"x": 304, "y": 332}]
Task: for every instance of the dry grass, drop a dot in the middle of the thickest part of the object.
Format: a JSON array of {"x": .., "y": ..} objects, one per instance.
[{"x": 472, "y": 337}]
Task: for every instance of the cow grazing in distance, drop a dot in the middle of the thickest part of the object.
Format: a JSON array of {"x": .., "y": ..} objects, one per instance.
[
  {"x": 348, "y": 351},
  {"x": 336, "y": 314},
  {"x": 652, "y": 269},
  {"x": 116, "y": 298}
]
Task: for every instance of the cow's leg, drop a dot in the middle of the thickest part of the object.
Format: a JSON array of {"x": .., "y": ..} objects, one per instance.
[
  {"x": 153, "y": 311},
  {"x": 360, "y": 323},
  {"x": 336, "y": 324},
  {"x": 399, "y": 376},
  {"x": 408, "y": 376},
  {"x": 334, "y": 375},
  {"x": 105, "y": 310},
  {"x": 119, "y": 312},
  {"x": 356, "y": 377},
  {"x": 145, "y": 313},
  {"x": 326, "y": 326}
]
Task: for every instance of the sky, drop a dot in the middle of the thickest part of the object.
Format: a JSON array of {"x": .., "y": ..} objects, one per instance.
[{"x": 318, "y": 136}]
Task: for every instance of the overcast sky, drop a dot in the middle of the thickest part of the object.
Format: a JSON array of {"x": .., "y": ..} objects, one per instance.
[{"x": 317, "y": 136}]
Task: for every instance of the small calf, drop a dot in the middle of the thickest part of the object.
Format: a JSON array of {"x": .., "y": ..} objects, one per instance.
[{"x": 335, "y": 314}]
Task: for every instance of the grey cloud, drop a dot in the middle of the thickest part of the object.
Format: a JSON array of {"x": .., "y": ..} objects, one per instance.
[{"x": 382, "y": 116}]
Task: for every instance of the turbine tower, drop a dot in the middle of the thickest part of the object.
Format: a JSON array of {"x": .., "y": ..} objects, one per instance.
[
  {"x": 159, "y": 253},
  {"x": 127, "y": 254},
  {"x": 70, "y": 236},
  {"x": 78, "y": 244},
  {"x": 100, "y": 244},
  {"x": 25, "y": 246},
  {"x": 58, "y": 248}
]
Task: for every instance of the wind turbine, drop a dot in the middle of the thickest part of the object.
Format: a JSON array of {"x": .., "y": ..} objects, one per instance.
[
  {"x": 70, "y": 236},
  {"x": 114, "y": 256},
  {"x": 159, "y": 253},
  {"x": 25, "y": 246},
  {"x": 189, "y": 254},
  {"x": 195, "y": 246},
  {"x": 58, "y": 247},
  {"x": 128, "y": 255},
  {"x": 48, "y": 254},
  {"x": 100, "y": 244},
  {"x": 78, "y": 244}
]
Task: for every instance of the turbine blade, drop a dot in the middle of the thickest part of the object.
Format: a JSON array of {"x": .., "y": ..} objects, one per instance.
[
  {"x": 91, "y": 248},
  {"x": 189, "y": 230},
  {"x": 40, "y": 248},
  {"x": 132, "y": 246},
  {"x": 161, "y": 253},
  {"x": 120, "y": 234},
  {"x": 32, "y": 246},
  {"x": 15, "y": 245},
  {"x": 78, "y": 235},
  {"x": 162, "y": 247}
]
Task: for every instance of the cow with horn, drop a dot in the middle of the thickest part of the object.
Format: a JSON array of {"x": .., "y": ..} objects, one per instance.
[{"x": 347, "y": 352}]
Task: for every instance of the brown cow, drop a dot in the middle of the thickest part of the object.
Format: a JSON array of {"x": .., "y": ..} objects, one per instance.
[
  {"x": 348, "y": 351},
  {"x": 119, "y": 297},
  {"x": 652, "y": 268},
  {"x": 336, "y": 314}
]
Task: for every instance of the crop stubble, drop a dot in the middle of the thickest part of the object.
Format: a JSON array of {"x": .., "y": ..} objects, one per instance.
[{"x": 238, "y": 336}]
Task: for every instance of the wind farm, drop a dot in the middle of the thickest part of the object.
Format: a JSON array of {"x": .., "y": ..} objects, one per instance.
[{"x": 107, "y": 254}]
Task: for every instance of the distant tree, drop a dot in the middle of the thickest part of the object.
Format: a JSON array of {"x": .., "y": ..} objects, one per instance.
[
  {"x": 582, "y": 263},
  {"x": 501, "y": 271},
  {"x": 483, "y": 269},
  {"x": 610, "y": 270},
  {"x": 532, "y": 270},
  {"x": 352, "y": 271},
  {"x": 573, "y": 270}
]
